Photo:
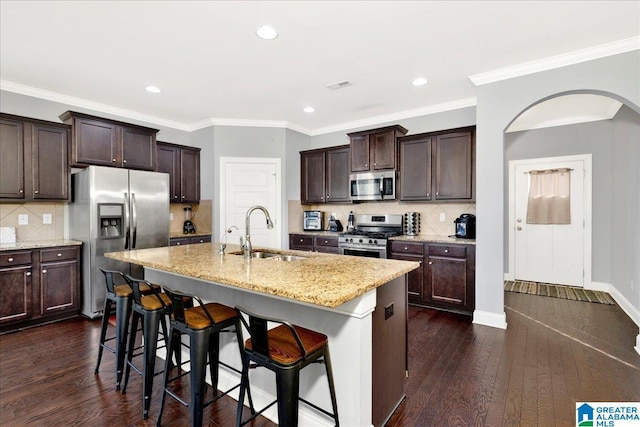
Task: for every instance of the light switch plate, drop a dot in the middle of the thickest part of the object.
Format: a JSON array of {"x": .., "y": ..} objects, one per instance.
[
  {"x": 46, "y": 218},
  {"x": 442, "y": 218},
  {"x": 170, "y": 217},
  {"x": 23, "y": 219}
]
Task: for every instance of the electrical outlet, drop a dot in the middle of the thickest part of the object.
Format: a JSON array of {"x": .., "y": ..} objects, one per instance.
[
  {"x": 46, "y": 218},
  {"x": 23, "y": 219},
  {"x": 442, "y": 217},
  {"x": 388, "y": 311}
]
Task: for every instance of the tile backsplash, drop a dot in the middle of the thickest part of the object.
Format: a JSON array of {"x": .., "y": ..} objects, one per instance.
[
  {"x": 200, "y": 215},
  {"x": 35, "y": 212},
  {"x": 430, "y": 213}
]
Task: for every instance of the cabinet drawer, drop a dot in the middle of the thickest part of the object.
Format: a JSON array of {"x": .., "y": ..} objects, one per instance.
[
  {"x": 15, "y": 258},
  {"x": 200, "y": 239},
  {"x": 407, "y": 248},
  {"x": 326, "y": 241},
  {"x": 458, "y": 251},
  {"x": 58, "y": 254},
  {"x": 300, "y": 240},
  {"x": 179, "y": 241}
]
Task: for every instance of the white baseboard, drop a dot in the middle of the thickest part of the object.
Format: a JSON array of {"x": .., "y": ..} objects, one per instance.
[
  {"x": 486, "y": 318},
  {"x": 625, "y": 304},
  {"x": 637, "y": 347},
  {"x": 508, "y": 276},
  {"x": 598, "y": 286}
]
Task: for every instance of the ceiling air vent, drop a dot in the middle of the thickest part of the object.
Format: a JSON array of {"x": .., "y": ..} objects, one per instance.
[{"x": 339, "y": 85}]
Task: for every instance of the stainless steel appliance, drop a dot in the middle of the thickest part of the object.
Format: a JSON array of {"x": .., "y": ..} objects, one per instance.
[
  {"x": 370, "y": 238},
  {"x": 466, "y": 226},
  {"x": 373, "y": 186},
  {"x": 312, "y": 221},
  {"x": 114, "y": 210}
]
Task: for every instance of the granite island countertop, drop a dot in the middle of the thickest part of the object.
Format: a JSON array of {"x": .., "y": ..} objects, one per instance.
[
  {"x": 37, "y": 244},
  {"x": 433, "y": 238},
  {"x": 323, "y": 279}
]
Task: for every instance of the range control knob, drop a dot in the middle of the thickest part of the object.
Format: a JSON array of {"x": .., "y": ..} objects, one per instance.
[
  {"x": 360, "y": 240},
  {"x": 370, "y": 241},
  {"x": 375, "y": 242}
]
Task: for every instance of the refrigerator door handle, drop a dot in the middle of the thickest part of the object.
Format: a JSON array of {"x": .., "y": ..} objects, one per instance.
[
  {"x": 134, "y": 220},
  {"x": 127, "y": 224}
]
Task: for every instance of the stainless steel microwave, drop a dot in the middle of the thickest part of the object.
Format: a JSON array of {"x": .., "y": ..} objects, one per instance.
[{"x": 373, "y": 186}]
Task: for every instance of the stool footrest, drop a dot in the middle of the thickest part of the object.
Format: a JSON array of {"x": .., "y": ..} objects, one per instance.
[{"x": 256, "y": 414}]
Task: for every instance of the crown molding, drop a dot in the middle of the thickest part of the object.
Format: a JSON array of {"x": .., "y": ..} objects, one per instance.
[
  {"x": 575, "y": 57},
  {"x": 94, "y": 106},
  {"x": 408, "y": 114}
]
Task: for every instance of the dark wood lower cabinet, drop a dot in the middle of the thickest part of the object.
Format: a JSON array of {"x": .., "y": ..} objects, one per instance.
[
  {"x": 447, "y": 278},
  {"x": 179, "y": 241},
  {"x": 38, "y": 285},
  {"x": 311, "y": 243}
]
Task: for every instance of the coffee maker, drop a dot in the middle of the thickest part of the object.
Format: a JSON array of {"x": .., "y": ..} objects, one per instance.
[{"x": 188, "y": 226}]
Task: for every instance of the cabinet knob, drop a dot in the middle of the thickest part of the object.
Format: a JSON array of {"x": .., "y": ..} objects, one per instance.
[
  {"x": 375, "y": 164},
  {"x": 183, "y": 197},
  {"x": 301, "y": 240},
  {"x": 10, "y": 260},
  {"x": 113, "y": 160},
  {"x": 366, "y": 165},
  {"x": 35, "y": 192},
  {"x": 437, "y": 194},
  {"x": 201, "y": 241},
  {"x": 44, "y": 271},
  {"x": 59, "y": 254},
  {"x": 328, "y": 197},
  {"x": 21, "y": 191},
  {"x": 326, "y": 241},
  {"x": 406, "y": 248},
  {"x": 178, "y": 244},
  {"x": 28, "y": 273},
  {"x": 175, "y": 197},
  {"x": 124, "y": 161},
  {"x": 446, "y": 251},
  {"x": 430, "y": 262},
  {"x": 428, "y": 194},
  {"x": 321, "y": 197}
]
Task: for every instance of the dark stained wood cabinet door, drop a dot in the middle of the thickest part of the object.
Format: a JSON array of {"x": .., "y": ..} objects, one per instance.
[
  {"x": 453, "y": 166},
  {"x": 360, "y": 153},
  {"x": 15, "y": 293},
  {"x": 95, "y": 143},
  {"x": 58, "y": 287},
  {"x": 50, "y": 162},
  {"x": 300, "y": 242},
  {"x": 11, "y": 159},
  {"x": 415, "y": 170},
  {"x": 447, "y": 280},
  {"x": 138, "y": 149},
  {"x": 337, "y": 174},
  {"x": 168, "y": 161},
  {"x": 189, "y": 175},
  {"x": 415, "y": 278},
  {"x": 383, "y": 148},
  {"x": 312, "y": 177}
]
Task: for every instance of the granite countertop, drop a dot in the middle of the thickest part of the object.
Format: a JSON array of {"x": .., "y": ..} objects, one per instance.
[
  {"x": 180, "y": 235},
  {"x": 322, "y": 279},
  {"x": 433, "y": 238},
  {"x": 38, "y": 244},
  {"x": 318, "y": 233}
]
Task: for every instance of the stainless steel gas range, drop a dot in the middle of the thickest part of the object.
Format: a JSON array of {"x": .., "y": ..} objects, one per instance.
[{"x": 369, "y": 239}]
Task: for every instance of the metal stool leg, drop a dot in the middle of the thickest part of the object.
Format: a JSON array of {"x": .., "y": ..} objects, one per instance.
[
  {"x": 103, "y": 330},
  {"x": 130, "y": 349},
  {"x": 173, "y": 335},
  {"x": 150, "y": 327},
  {"x": 123, "y": 311},
  {"x": 198, "y": 351},
  {"x": 332, "y": 389},
  {"x": 288, "y": 388}
]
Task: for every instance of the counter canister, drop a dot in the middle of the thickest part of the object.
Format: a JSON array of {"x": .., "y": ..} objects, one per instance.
[{"x": 411, "y": 223}]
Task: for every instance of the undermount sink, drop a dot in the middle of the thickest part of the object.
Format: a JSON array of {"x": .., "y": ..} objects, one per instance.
[{"x": 271, "y": 255}]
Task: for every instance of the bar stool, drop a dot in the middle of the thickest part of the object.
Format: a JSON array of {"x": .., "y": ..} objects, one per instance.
[
  {"x": 151, "y": 310},
  {"x": 203, "y": 324},
  {"x": 119, "y": 296},
  {"x": 284, "y": 350}
]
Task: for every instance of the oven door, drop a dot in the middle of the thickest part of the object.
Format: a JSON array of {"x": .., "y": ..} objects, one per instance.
[{"x": 365, "y": 252}]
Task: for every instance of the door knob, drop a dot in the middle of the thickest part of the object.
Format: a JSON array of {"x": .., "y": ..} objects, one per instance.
[{"x": 518, "y": 228}]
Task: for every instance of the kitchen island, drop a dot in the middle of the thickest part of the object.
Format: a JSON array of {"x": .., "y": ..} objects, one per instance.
[{"x": 359, "y": 303}]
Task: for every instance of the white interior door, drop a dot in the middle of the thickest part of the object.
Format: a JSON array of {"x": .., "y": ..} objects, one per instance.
[
  {"x": 246, "y": 182},
  {"x": 550, "y": 253}
]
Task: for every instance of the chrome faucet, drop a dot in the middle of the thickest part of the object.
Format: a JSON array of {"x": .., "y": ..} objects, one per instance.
[
  {"x": 246, "y": 245},
  {"x": 223, "y": 244}
]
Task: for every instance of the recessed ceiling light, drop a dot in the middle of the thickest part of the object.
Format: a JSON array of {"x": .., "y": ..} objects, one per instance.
[
  {"x": 309, "y": 109},
  {"x": 266, "y": 32},
  {"x": 420, "y": 81},
  {"x": 152, "y": 89}
]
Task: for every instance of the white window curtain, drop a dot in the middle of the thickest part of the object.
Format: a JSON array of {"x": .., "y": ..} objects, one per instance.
[{"x": 549, "y": 197}]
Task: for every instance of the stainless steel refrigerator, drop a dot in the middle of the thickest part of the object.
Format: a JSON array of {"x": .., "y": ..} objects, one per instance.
[{"x": 115, "y": 210}]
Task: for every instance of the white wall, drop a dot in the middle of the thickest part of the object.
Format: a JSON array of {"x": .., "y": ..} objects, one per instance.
[{"x": 497, "y": 105}]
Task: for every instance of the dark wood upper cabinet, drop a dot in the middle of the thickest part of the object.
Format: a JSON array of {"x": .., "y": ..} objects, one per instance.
[
  {"x": 182, "y": 163},
  {"x": 438, "y": 166},
  {"x": 104, "y": 142},
  {"x": 374, "y": 149},
  {"x": 324, "y": 175},
  {"x": 34, "y": 164}
]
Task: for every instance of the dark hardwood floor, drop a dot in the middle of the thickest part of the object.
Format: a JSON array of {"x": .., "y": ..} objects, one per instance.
[{"x": 554, "y": 353}]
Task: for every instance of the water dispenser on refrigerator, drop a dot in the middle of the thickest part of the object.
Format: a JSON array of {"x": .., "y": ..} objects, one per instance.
[{"x": 111, "y": 220}]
